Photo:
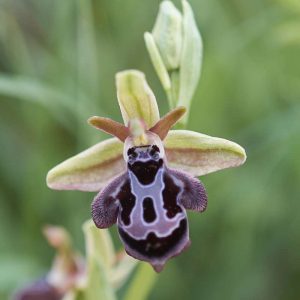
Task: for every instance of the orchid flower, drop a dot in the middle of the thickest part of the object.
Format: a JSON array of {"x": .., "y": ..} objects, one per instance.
[{"x": 146, "y": 175}]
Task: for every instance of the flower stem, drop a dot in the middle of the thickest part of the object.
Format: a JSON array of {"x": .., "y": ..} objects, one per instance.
[
  {"x": 170, "y": 98},
  {"x": 142, "y": 283}
]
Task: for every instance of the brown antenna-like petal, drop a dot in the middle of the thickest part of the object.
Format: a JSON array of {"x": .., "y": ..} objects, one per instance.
[
  {"x": 162, "y": 127},
  {"x": 110, "y": 126}
]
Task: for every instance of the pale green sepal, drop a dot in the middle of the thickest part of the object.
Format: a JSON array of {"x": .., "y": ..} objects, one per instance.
[
  {"x": 157, "y": 61},
  {"x": 167, "y": 33},
  {"x": 191, "y": 59},
  {"x": 200, "y": 154},
  {"x": 89, "y": 170},
  {"x": 135, "y": 97}
]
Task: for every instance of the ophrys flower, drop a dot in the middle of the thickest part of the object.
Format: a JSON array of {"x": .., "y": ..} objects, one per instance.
[{"x": 146, "y": 173}]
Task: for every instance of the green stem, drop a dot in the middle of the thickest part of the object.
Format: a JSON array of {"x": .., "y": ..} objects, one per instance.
[
  {"x": 175, "y": 86},
  {"x": 170, "y": 98},
  {"x": 142, "y": 283}
]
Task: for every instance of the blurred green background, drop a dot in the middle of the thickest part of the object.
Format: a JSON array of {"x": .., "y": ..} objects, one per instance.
[{"x": 57, "y": 62}]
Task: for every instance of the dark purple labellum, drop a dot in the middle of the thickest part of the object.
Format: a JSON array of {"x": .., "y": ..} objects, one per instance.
[{"x": 148, "y": 203}]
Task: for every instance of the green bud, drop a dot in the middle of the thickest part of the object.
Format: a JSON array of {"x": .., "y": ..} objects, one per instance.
[
  {"x": 157, "y": 61},
  {"x": 191, "y": 59},
  {"x": 167, "y": 33},
  {"x": 175, "y": 49}
]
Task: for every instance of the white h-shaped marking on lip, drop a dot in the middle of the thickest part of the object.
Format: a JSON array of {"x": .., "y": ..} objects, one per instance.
[{"x": 162, "y": 226}]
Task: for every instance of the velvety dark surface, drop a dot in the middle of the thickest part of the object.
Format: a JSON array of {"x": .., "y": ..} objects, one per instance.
[
  {"x": 170, "y": 194},
  {"x": 149, "y": 211},
  {"x": 154, "y": 246}
]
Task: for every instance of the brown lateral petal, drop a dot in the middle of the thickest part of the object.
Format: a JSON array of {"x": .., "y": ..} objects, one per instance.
[
  {"x": 162, "y": 127},
  {"x": 110, "y": 126}
]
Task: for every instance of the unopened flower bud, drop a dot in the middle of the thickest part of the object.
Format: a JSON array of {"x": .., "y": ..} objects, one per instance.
[
  {"x": 175, "y": 49},
  {"x": 167, "y": 33}
]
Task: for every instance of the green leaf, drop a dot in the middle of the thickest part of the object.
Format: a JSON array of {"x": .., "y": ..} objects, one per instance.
[
  {"x": 200, "y": 154},
  {"x": 32, "y": 90},
  {"x": 88, "y": 54},
  {"x": 89, "y": 170},
  {"x": 135, "y": 97},
  {"x": 191, "y": 59},
  {"x": 13, "y": 42}
]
